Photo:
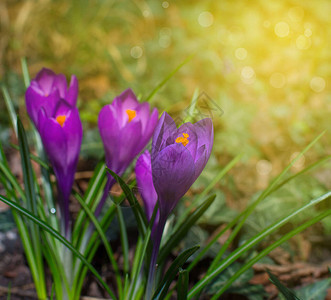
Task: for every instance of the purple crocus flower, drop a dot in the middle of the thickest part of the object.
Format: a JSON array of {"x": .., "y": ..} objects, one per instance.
[
  {"x": 125, "y": 127},
  {"x": 145, "y": 185},
  {"x": 46, "y": 90},
  {"x": 61, "y": 134},
  {"x": 178, "y": 157}
]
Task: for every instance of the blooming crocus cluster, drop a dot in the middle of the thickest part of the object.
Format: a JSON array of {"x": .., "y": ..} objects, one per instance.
[
  {"x": 125, "y": 127},
  {"x": 52, "y": 108}
]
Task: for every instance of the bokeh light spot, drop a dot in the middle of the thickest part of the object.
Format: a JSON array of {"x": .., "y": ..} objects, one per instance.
[
  {"x": 165, "y": 37},
  {"x": 277, "y": 80},
  {"x": 247, "y": 75},
  {"x": 247, "y": 72},
  {"x": 206, "y": 19},
  {"x": 308, "y": 32},
  {"x": 165, "y": 4},
  {"x": 263, "y": 167},
  {"x": 136, "y": 52},
  {"x": 146, "y": 13},
  {"x": 296, "y": 13},
  {"x": 303, "y": 42},
  {"x": 317, "y": 84},
  {"x": 164, "y": 41},
  {"x": 282, "y": 29},
  {"x": 241, "y": 53}
]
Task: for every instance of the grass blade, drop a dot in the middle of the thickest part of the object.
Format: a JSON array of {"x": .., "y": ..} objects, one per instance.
[
  {"x": 124, "y": 239},
  {"x": 25, "y": 71},
  {"x": 287, "y": 293},
  {"x": 182, "y": 285},
  {"x": 10, "y": 108},
  {"x": 163, "y": 287}
]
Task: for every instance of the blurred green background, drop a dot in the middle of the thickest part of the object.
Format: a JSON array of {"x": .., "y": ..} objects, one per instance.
[{"x": 265, "y": 64}]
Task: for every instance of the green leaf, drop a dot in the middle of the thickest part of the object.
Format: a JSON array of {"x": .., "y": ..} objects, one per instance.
[
  {"x": 124, "y": 239},
  {"x": 137, "y": 209},
  {"x": 163, "y": 287},
  {"x": 25, "y": 71},
  {"x": 28, "y": 175},
  {"x": 58, "y": 236},
  {"x": 10, "y": 108},
  {"x": 288, "y": 294},
  {"x": 182, "y": 284},
  {"x": 184, "y": 227},
  {"x": 314, "y": 291}
]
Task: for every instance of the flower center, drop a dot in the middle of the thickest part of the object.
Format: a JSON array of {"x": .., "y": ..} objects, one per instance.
[
  {"x": 183, "y": 139},
  {"x": 131, "y": 114},
  {"x": 61, "y": 119}
]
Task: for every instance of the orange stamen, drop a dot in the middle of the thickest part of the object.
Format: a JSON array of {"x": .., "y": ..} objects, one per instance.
[
  {"x": 131, "y": 114},
  {"x": 183, "y": 140},
  {"x": 61, "y": 119}
]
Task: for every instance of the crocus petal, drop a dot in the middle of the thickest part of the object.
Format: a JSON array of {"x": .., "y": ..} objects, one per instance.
[
  {"x": 201, "y": 161},
  {"x": 45, "y": 79},
  {"x": 72, "y": 93},
  {"x": 205, "y": 132},
  {"x": 143, "y": 112},
  {"x": 130, "y": 136},
  {"x": 60, "y": 83},
  {"x": 165, "y": 128},
  {"x": 145, "y": 185},
  {"x": 62, "y": 108},
  {"x": 35, "y": 100},
  {"x": 54, "y": 141},
  {"x": 152, "y": 122},
  {"x": 173, "y": 174},
  {"x": 129, "y": 100},
  {"x": 73, "y": 131},
  {"x": 109, "y": 132}
]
